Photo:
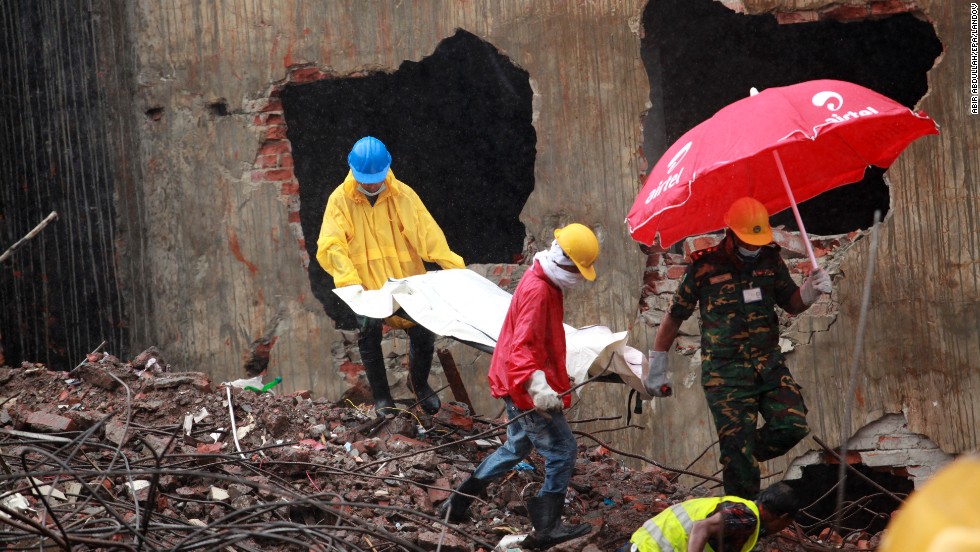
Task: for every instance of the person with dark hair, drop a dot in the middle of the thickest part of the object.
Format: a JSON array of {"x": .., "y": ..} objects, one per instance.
[
  {"x": 375, "y": 227},
  {"x": 726, "y": 523}
]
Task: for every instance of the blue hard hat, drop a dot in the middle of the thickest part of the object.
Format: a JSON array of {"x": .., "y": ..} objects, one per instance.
[{"x": 369, "y": 160}]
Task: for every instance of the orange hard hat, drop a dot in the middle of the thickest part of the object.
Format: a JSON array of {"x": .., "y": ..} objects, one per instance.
[{"x": 748, "y": 218}]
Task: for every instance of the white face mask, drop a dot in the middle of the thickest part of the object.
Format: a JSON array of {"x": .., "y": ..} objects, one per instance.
[
  {"x": 550, "y": 261},
  {"x": 370, "y": 194},
  {"x": 749, "y": 254}
]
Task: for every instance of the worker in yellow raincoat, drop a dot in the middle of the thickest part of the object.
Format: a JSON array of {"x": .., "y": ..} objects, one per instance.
[{"x": 374, "y": 228}]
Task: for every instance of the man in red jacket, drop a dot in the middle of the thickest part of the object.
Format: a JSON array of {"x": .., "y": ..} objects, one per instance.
[{"x": 528, "y": 372}]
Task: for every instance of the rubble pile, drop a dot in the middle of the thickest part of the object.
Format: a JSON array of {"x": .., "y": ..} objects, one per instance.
[{"x": 116, "y": 455}]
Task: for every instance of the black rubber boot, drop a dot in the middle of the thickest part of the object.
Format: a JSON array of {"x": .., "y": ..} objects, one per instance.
[
  {"x": 458, "y": 505},
  {"x": 369, "y": 345},
  {"x": 421, "y": 346},
  {"x": 378, "y": 380},
  {"x": 545, "y": 512}
]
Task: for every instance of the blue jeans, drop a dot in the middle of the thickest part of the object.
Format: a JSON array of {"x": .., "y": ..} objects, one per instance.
[{"x": 552, "y": 438}]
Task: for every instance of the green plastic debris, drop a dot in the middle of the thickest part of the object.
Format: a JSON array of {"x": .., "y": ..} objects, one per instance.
[{"x": 265, "y": 387}]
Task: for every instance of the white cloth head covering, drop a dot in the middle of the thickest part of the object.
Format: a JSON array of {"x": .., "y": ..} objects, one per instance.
[{"x": 549, "y": 261}]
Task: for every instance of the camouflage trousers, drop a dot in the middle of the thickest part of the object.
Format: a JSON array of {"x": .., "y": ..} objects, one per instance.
[{"x": 736, "y": 413}]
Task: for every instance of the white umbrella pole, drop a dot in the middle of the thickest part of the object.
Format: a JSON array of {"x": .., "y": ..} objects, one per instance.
[{"x": 796, "y": 212}]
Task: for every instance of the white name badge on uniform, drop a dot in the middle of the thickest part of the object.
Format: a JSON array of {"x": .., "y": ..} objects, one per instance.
[{"x": 752, "y": 295}]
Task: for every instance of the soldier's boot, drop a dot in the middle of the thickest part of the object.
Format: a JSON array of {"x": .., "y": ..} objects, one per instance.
[
  {"x": 458, "y": 505},
  {"x": 545, "y": 512}
]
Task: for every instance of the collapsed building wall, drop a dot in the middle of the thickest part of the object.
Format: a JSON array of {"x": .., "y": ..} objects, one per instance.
[{"x": 222, "y": 246}]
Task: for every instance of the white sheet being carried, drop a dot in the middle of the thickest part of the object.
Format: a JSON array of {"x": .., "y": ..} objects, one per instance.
[{"x": 462, "y": 304}]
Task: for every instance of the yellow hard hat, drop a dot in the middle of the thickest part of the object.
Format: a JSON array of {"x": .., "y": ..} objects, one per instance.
[
  {"x": 942, "y": 515},
  {"x": 748, "y": 218},
  {"x": 581, "y": 246}
]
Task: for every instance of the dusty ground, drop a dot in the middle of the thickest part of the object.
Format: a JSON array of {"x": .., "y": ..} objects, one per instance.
[{"x": 141, "y": 456}]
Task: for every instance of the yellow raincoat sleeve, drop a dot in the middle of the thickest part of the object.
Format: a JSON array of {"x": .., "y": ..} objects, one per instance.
[
  {"x": 331, "y": 246},
  {"x": 431, "y": 241}
]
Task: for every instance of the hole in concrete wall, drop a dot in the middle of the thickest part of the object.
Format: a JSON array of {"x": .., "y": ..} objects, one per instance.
[
  {"x": 458, "y": 126},
  {"x": 219, "y": 108},
  {"x": 154, "y": 113},
  {"x": 865, "y": 507},
  {"x": 701, "y": 56}
]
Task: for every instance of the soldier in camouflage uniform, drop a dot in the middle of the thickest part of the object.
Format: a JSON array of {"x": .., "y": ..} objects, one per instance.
[{"x": 738, "y": 284}]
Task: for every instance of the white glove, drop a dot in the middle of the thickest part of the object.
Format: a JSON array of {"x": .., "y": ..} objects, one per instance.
[
  {"x": 816, "y": 283},
  {"x": 656, "y": 382},
  {"x": 545, "y": 398}
]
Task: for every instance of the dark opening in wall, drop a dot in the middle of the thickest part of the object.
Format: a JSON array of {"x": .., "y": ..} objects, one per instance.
[
  {"x": 701, "y": 56},
  {"x": 458, "y": 126},
  {"x": 866, "y": 508},
  {"x": 219, "y": 108}
]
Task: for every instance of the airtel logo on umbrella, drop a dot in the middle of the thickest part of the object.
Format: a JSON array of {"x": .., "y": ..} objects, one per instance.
[
  {"x": 834, "y": 101},
  {"x": 672, "y": 179}
]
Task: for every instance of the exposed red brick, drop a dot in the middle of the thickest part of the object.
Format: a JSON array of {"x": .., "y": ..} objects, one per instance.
[
  {"x": 267, "y": 161},
  {"x": 455, "y": 416},
  {"x": 889, "y": 7},
  {"x": 44, "y": 421},
  {"x": 275, "y": 133},
  {"x": 651, "y": 249},
  {"x": 293, "y": 216},
  {"x": 653, "y": 275},
  {"x": 289, "y": 188},
  {"x": 674, "y": 272},
  {"x": 260, "y": 119},
  {"x": 276, "y": 147},
  {"x": 305, "y": 74},
  {"x": 95, "y": 374},
  {"x": 438, "y": 495},
  {"x": 275, "y": 175},
  {"x": 655, "y": 259},
  {"x": 275, "y": 119},
  {"x": 790, "y": 18},
  {"x": 274, "y": 105},
  {"x": 847, "y": 13},
  {"x": 209, "y": 448},
  {"x": 697, "y": 243},
  {"x": 286, "y": 160}
]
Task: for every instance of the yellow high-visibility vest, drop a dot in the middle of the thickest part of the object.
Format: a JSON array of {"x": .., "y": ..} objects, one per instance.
[{"x": 670, "y": 530}]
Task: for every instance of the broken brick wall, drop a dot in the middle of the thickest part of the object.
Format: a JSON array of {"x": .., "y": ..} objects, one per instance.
[{"x": 217, "y": 154}]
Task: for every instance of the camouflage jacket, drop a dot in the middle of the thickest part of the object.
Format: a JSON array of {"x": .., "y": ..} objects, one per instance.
[{"x": 738, "y": 300}]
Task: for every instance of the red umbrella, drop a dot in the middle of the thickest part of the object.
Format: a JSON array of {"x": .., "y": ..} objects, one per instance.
[{"x": 780, "y": 146}]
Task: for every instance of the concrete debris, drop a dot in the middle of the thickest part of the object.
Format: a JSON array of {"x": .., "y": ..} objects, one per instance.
[{"x": 151, "y": 463}]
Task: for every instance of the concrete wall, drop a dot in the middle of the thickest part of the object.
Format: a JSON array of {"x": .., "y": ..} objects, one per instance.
[{"x": 224, "y": 259}]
